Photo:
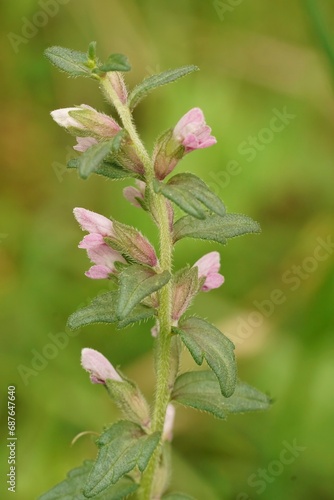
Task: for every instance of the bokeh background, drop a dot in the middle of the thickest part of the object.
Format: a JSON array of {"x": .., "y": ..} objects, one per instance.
[{"x": 257, "y": 59}]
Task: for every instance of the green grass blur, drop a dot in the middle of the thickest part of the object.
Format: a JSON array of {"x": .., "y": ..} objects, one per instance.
[{"x": 256, "y": 59}]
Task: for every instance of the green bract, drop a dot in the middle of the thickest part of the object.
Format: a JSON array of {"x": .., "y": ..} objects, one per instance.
[
  {"x": 205, "y": 341},
  {"x": 201, "y": 391},
  {"x": 122, "y": 447}
]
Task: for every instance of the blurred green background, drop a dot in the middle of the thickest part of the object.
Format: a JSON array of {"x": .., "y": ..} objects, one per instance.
[{"x": 257, "y": 59}]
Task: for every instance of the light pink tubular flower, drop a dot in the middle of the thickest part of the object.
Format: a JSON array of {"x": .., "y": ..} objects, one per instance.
[
  {"x": 131, "y": 193},
  {"x": 99, "y": 368},
  {"x": 167, "y": 433},
  {"x": 84, "y": 143},
  {"x": 98, "y": 251},
  {"x": 192, "y": 131},
  {"x": 208, "y": 267}
]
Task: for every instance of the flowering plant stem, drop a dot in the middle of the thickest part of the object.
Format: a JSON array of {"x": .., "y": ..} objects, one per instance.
[
  {"x": 163, "y": 341},
  {"x": 134, "y": 453}
]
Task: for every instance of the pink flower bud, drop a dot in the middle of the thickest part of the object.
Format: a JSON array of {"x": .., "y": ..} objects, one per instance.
[
  {"x": 117, "y": 81},
  {"x": 208, "y": 267},
  {"x": 93, "y": 222},
  {"x": 167, "y": 433},
  {"x": 86, "y": 119},
  {"x": 192, "y": 132},
  {"x": 99, "y": 368},
  {"x": 84, "y": 143},
  {"x": 131, "y": 193}
]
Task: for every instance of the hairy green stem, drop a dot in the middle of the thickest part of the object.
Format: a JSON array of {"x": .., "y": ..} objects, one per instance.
[{"x": 163, "y": 341}]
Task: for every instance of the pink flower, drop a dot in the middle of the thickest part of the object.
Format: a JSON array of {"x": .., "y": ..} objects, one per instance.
[
  {"x": 93, "y": 222},
  {"x": 192, "y": 131},
  {"x": 103, "y": 256},
  {"x": 84, "y": 143},
  {"x": 167, "y": 433},
  {"x": 131, "y": 193},
  {"x": 98, "y": 366},
  {"x": 208, "y": 267}
]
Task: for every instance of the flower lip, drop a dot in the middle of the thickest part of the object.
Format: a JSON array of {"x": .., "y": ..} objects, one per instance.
[
  {"x": 208, "y": 268},
  {"x": 93, "y": 222},
  {"x": 192, "y": 131},
  {"x": 99, "y": 368}
]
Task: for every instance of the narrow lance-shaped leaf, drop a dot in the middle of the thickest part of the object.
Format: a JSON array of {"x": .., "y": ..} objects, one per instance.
[
  {"x": 72, "y": 62},
  {"x": 155, "y": 81},
  {"x": 102, "y": 309},
  {"x": 71, "y": 488},
  {"x": 200, "y": 390},
  {"x": 93, "y": 157},
  {"x": 215, "y": 227},
  {"x": 122, "y": 447},
  {"x": 205, "y": 341},
  {"x": 107, "y": 168},
  {"x": 191, "y": 194},
  {"x": 136, "y": 283}
]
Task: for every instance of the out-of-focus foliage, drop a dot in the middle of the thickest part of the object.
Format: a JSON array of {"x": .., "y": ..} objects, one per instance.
[{"x": 266, "y": 88}]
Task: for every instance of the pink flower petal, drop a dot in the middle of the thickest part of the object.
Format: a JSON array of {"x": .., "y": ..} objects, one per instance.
[
  {"x": 84, "y": 143},
  {"x": 93, "y": 222},
  {"x": 192, "y": 131},
  {"x": 213, "y": 281},
  {"x": 167, "y": 433},
  {"x": 98, "y": 272},
  {"x": 99, "y": 368},
  {"x": 91, "y": 240}
]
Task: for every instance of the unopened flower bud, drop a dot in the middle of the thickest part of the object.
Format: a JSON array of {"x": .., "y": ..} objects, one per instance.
[
  {"x": 117, "y": 81},
  {"x": 167, "y": 433},
  {"x": 132, "y": 194}
]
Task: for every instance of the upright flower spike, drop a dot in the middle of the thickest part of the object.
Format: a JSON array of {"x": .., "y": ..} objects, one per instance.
[
  {"x": 190, "y": 133},
  {"x": 208, "y": 267},
  {"x": 99, "y": 368}
]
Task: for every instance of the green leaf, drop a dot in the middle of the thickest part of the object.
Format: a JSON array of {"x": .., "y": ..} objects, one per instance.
[
  {"x": 71, "y": 488},
  {"x": 155, "y": 81},
  {"x": 215, "y": 227},
  {"x": 110, "y": 169},
  {"x": 205, "y": 341},
  {"x": 201, "y": 390},
  {"x": 102, "y": 309},
  {"x": 90, "y": 160},
  {"x": 115, "y": 62},
  {"x": 92, "y": 51},
  {"x": 136, "y": 283},
  {"x": 177, "y": 496},
  {"x": 70, "y": 61},
  {"x": 190, "y": 193},
  {"x": 122, "y": 447}
]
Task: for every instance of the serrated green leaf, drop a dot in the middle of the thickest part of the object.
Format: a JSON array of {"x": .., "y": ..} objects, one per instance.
[
  {"x": 205, "y": 341},
  {"x": 122, "y": 447},
  {"x": 115, "y": 62},
  {"x": 90, "y": 160},
  {"x": 71, "y": 488},
  {"x": 110, "y": 169},
  {"x": 215, "y": 227},
  {"x": 72, "y": 62},
  {"x": 102, "y": 309},
  {"x": 201, "y": 390},
  {"x": 191, "y": 194},
  {"x": 155, "y": 81},
  {"x": 136, "y": 283},
  {"x": 177, "y": 496}
]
